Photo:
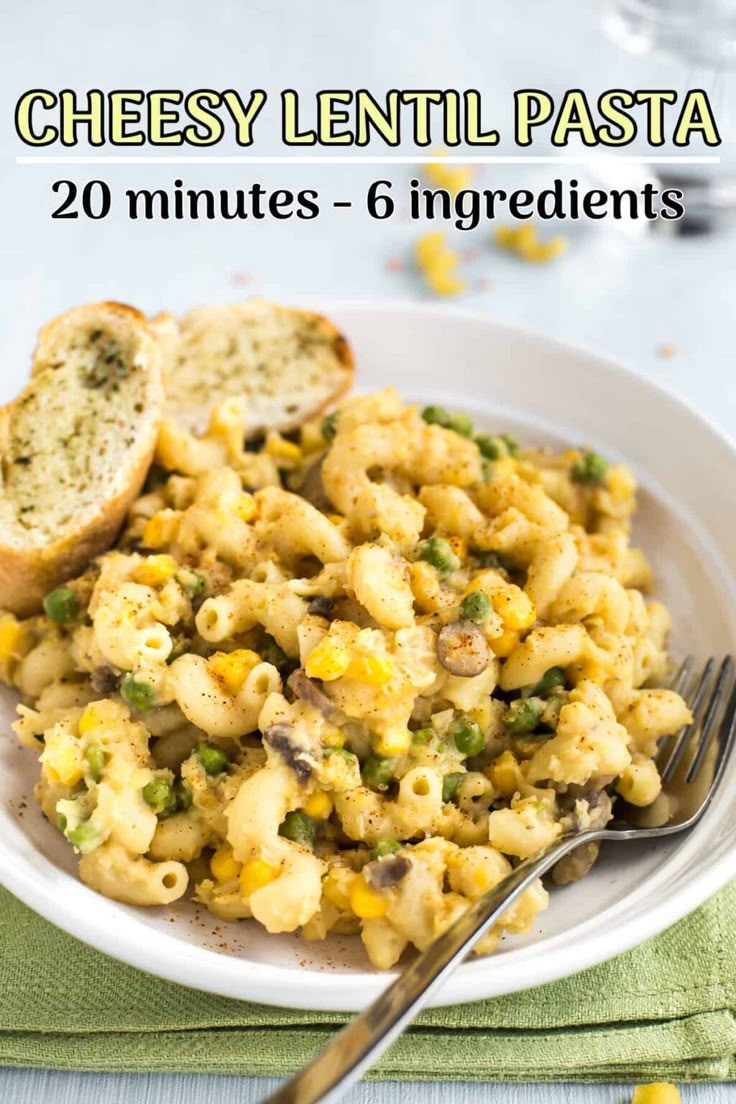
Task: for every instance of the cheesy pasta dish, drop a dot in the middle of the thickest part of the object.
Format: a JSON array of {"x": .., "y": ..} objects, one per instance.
[{"x": 344, "y": 682}]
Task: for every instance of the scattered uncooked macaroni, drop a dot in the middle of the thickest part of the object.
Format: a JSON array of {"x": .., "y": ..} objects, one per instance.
[
  {"x": 451, "y": 176},
  {"x": 344, "y": 682},
  {"x": 438, "y": 264},
  {"x": 524, "y": 242}
]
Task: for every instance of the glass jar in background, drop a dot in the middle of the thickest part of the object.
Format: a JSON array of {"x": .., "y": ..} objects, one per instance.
[{"x": 700, "y": 35}]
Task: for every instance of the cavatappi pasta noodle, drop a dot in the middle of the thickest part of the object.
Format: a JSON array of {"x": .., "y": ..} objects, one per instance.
[{"x": 345, "y": 683}]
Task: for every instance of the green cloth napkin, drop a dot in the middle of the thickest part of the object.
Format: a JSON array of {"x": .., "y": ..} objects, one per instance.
[{"x": 662, "y": 1011}]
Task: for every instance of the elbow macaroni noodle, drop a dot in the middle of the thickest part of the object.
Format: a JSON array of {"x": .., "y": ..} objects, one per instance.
[{"x": 342, "y": 684}]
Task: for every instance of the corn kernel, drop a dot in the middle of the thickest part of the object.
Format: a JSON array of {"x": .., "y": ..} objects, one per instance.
[
  {"x": 15, "y": 641},
  {"x": 256, "y": 874},
  {"x": 233, "y": 668},
  {"x": 245, "y": 506},
  {"x": 336, "y": 519},
  {"x": 333, "y": 738},
  {"x": 277, "y": 447},
  {"x": 376, "y": 670},
  {"x": 310, "y": 438},
  {"x": 482, "y": 714},
  {"x": 224, "y": 865},
  {"x": 319, "y": 806},
  {"x": 620, "y": 483},
  {"x": 505, "y": 774},
  {"x": 394, "y": 743},
  {"x": 336, "y": 886},
  {"x": 459, "y": 546},
  {"x": 155, "y": 570},
  {"x": 328, "y": 660},
  {"x": 366, "y": 902},
  {"x": 91, "y": 718},
  {"x": 504, "y": 644},
  {"x": 660, "y": 1092},
  {"x": 65, "y": 766},
  {"x": 504, "y": 467},
  {"x": 161, "y": 529},
  {"x": 514, "y": 607}
]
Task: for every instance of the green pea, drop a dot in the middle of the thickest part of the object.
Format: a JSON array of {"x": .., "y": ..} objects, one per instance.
[
  {"x": 553, "y": 704},
  {"x": 273, "y": 653},
  {"x": 423, "y": 736},
  {"x": 468, "y": 735},
  {"x": 475, "y": 606},
  {"x": 491, "y": 559},
  {"x": 61, "y": 605},
  {"x": 342, "y": 752},
  {"x": 299, "y": 828},
  {"x": 377, "y": 773},
  {"x": 436, "y": 415},
  {"x": 461, "y": 424},
  {"x": 385, "y": 847},
  {"x": 192, "y": 583},
  {"x": 328, "y": 429},
  {"x": 84, "y": 837},
  {"x": 550, "y": 680},
  {"x": 450, "y": 784},
  {"x": 159, "y": 794},
  {"x": 138, "y": 695},
  {"x": 512, "y": 445},
  {"x": 523, "y": 716},
  {"x": 438, "y": 552},
  {"x": 591, "y": 468},
  {"x": 439, "y": 415},
  {"x": 494, "y": 446},
  {"x": 182, "y": 795},
  {"x": 491, "y": 446},
  {"x": 213, "y": 758},
  {"x": 96, "y": 757}
]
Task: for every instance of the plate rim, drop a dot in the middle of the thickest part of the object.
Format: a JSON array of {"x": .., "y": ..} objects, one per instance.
[{"x": 37, "y": 885}]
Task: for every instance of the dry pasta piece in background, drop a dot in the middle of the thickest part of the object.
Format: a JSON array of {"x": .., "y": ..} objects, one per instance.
[
  {"x": 438, "y": 264},
  {"x": 524, "y": 242},
  {"x": 452, "y": 177}
]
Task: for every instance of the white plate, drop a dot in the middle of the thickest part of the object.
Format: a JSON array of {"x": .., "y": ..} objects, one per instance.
[{"x": 545, "y": 392}]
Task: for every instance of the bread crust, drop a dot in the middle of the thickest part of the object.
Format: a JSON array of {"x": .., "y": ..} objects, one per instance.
[
  {"x": 52, "y": 334},
  {"x": 28, "y": 574}
]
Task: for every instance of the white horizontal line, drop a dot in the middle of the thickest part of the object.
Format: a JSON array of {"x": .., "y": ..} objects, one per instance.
[{"x": 332, "y": 160}]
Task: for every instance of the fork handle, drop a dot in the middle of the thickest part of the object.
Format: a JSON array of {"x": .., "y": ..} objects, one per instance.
[{"x": 364, "y": 1039}]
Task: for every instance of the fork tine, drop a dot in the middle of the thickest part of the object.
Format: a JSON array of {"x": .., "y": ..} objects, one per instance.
[
  {"x": 679, "y": 683},
  {"x": 708, "y": 726},
  {"x": 728, "y": 739},
  {"x": 684, "y": 735},
  {"x": 682, "y": 675}
]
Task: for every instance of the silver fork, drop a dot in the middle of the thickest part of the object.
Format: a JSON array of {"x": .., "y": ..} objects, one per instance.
[{"x": 692, "y": 765}]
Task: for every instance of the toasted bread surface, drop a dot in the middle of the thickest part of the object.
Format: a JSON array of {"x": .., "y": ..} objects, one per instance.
[
  {"x": 76, "y": 446},
  {"x": 288, "y": 364}
]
